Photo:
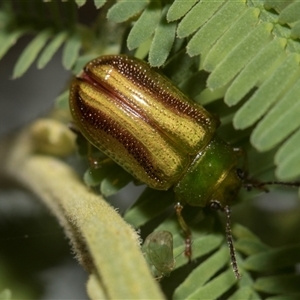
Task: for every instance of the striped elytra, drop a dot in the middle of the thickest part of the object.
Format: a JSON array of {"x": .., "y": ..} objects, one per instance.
[{"x": 139, "y": 119}]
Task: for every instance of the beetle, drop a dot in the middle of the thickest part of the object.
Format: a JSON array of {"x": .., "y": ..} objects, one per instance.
[{"x": 142, "y": 121}]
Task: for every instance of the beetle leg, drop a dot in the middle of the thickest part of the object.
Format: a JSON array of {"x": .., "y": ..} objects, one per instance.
[
  {"x": 234, "y": 265},
  {"x": 187, "y": 232},
  {"x": 93, "y": 161},
  {"x": 217, "y": 206}
]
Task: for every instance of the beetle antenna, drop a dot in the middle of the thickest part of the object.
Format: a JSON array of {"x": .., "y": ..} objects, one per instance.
[
  {"x": 262, "y": 185},
  {"x": 216, "y": 205},
  {"x": 250, "y": 183}
]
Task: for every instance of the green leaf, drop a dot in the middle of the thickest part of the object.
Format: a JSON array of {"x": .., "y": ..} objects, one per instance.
[
  {"x": 242, "y": 293},
  {"x": 149, "y": 205},
  {"x": 197, "y": 16},
  {"x": 286, "y": 284},
  {"x": 273, "y": 259},
  {"x": 144, "y": 26},
  {"x": 232, "y": 37},
  {"x": 239, "y": 56},
  {"x": 143, "y": 49},
  {"x": 195, "y": 84},
  {"x": 241, "y": 232},
  {"x": 81, "y": 61},
  {"x": 284, "y": 297},
  {"x": 277, "y": 125},
  {"x": 261, "y": 163},
  {"x": 295, "y": 33},
  {"x": 267, "y": 94},
  {"x": 51, "y": 49},
  {"x": 214, "y": 288},
  {"x": 162, "y": 41},
  {"x": 5, "y": 294},
  {"x": 290, "y": 14},
  {"x": 80, "y": 2},
  {"x": 254, "y": 71},
  {"x": 288, "y": 158},
  {"x": 181, "y": 67},
  {"x": 99, "y": 3},
  {"x": 110, "y": 176},
  {"x": 179, "y": 8},
  {"x": 94, "y": 176},
  {"x": 270, "y": 4},
  {"x": 71, "y": 51},
  {"x": 62, "y": 101},
  {"x": 126, "y": 9},
  {"x": 250, "y": 246},
  {"x": 8, "y": 39},
  {"x": 30, "y": 53},
  {"x": 115, "y": 179},
  {"x": 207, "y": 35},
  {"x": 202, "y": 245},
  {"x": 193, "y": 287}
]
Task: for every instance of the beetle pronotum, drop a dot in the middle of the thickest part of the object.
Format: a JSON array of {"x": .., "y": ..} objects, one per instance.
[{"x": 148, "y": 126}]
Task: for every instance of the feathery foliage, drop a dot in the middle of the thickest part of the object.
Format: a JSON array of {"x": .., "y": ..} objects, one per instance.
[
  {"x": 250, "y": 50},
  {"x": 245, "y": 52}
]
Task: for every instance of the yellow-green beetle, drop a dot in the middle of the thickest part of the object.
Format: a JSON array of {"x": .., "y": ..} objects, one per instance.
[
  {"x": 143, "y": 122},
  {"x": 149, "y": 127}
]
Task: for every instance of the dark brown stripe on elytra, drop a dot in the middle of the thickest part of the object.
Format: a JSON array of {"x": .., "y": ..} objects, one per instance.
[
  {"x": 130, "y": 69},
  {"x": 102, "y": 86},
  {"x": 100, "y": 121}
]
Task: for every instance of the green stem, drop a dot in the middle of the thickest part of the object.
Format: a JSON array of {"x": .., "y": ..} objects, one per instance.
[{"x": 104, "y": 243}]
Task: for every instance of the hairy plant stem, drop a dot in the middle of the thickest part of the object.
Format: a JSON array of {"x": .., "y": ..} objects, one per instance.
[{"x": 104, "y": 243}]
